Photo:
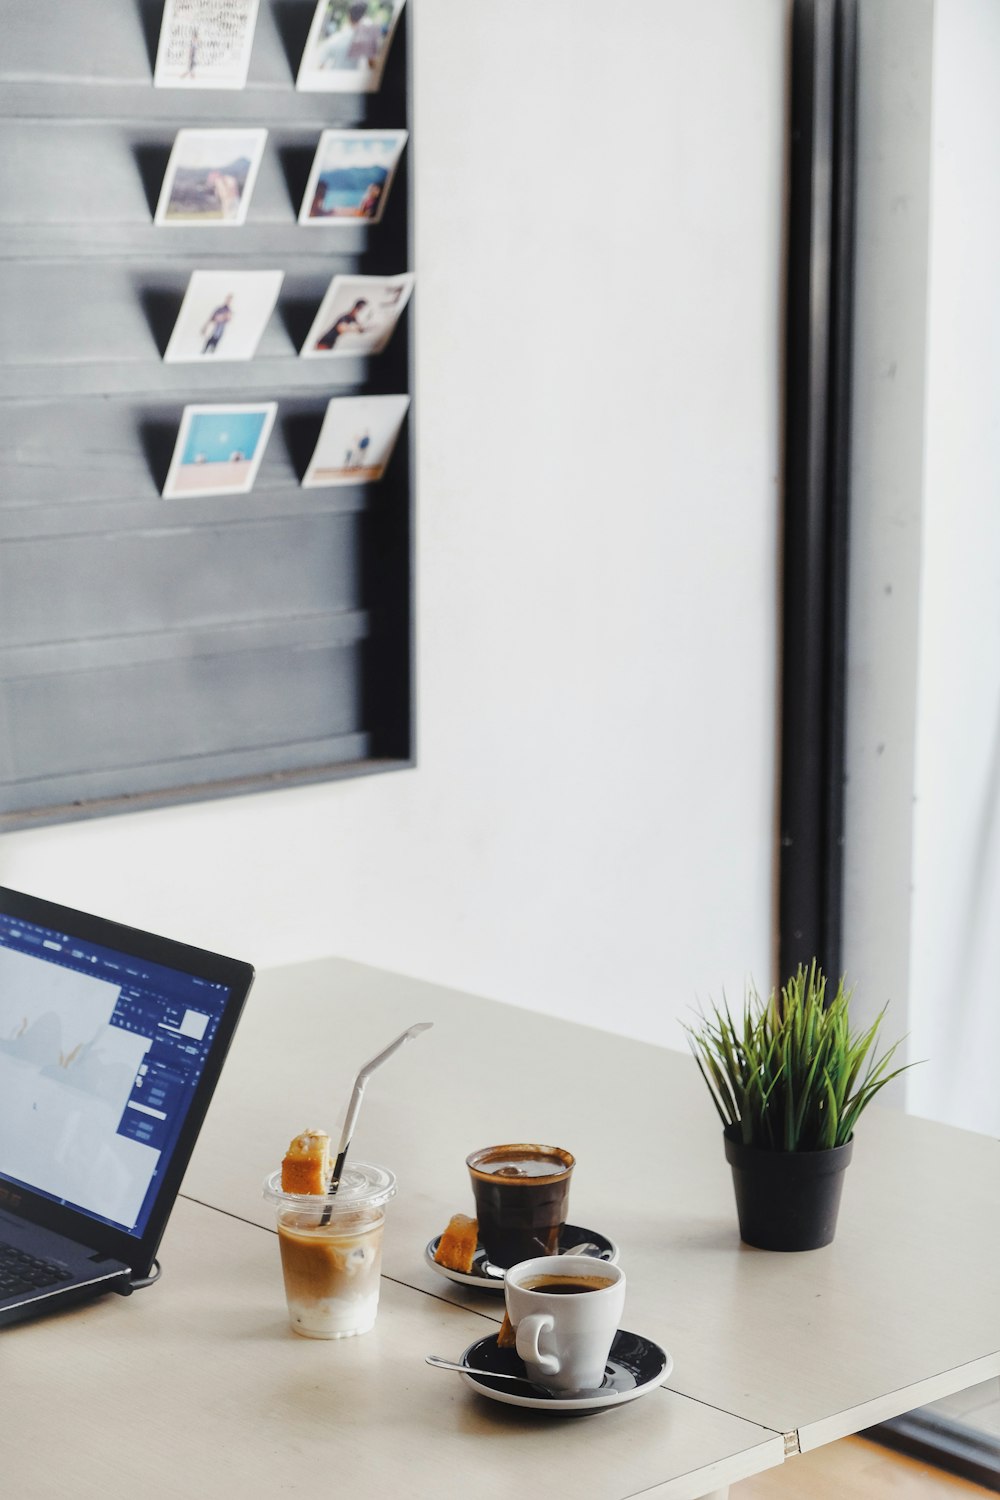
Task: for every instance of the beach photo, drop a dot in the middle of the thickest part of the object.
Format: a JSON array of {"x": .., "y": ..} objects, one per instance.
[
  {"x": 219, "y": 449},
  {"x": 348, "y": 44},
  {"x": 356, "y": 440},
  {"x": 205, "y": 44},
  {"x": 223, "y": 315},
  {"x": 357, "y": 315},
  {"x": 351, "y": 175},
  {"x": 210, "y": 177}
]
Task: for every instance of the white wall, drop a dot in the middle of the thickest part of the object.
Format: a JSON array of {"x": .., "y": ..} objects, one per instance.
[
  {"x": 890, "y": 351},
  {"x": 955, "y": 947},
  {"x": 922, "y": 887},
  {"x": 590, "y": 829}
]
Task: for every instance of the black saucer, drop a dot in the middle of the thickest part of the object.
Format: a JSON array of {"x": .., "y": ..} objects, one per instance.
[
  {"x": 635, "y": 1366},
  {"x": 491, "y": 1280}
]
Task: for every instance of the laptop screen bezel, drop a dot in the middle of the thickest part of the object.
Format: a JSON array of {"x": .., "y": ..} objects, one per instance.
[{"x": 135, "y": 1250}]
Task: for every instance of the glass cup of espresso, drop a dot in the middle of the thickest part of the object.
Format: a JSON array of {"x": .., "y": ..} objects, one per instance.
[{"x": 522, "y": 1198}]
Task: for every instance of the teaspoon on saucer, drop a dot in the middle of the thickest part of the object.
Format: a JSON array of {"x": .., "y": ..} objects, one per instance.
[
  {"x": 452, "y": 1364},
  {"x": 587, "y": 1248}
]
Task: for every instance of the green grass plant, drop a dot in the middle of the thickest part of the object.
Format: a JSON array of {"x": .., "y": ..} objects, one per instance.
[{"x": 790, "y": 1074}]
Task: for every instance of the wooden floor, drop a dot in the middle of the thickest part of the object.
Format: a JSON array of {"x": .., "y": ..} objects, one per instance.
[{"x": 855, "y": 1469}]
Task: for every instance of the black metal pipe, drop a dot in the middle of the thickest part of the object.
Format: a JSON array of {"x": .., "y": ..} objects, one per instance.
[{"x": 817, "y": 464}]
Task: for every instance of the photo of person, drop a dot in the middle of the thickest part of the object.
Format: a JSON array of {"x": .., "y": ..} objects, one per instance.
[
  {"x": 205, "y": 44},
  {"x": 219, "y": 449},
  {"x": 223, "y": 315},
  {"x": 351, "y": 175},
  {"x": 357, "y": 315},
  {"x": 210, "y": 177},
  {"x": 356, "y": 440},
  {"x": 215, "y": 325},
  {"x": 348, "y": 44}
]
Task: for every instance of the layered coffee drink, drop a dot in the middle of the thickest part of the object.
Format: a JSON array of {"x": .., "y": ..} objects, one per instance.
[
  {"x": 331, "y": 1271},
  {"x": 331, "y": 1251},
  {"x": 522, "y": 1198}
]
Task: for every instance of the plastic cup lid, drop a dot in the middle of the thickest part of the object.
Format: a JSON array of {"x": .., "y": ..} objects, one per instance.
[{"x": 361, "y": 1186}]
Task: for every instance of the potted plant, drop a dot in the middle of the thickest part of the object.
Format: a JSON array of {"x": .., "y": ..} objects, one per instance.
[{"x": 789, "y": 1080}]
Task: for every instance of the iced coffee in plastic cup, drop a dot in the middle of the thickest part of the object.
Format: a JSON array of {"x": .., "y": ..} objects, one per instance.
[{"x": 331, "y": 1251}]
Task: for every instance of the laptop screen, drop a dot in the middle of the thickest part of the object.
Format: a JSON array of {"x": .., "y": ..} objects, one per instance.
[{"x": 100, "y": 1055}]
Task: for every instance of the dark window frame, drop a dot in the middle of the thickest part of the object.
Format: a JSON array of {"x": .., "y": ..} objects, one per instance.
[{"x": 820, "y": 286}]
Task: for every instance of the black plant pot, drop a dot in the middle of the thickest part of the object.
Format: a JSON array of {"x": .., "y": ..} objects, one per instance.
[{"x": 786, "y": 1200}]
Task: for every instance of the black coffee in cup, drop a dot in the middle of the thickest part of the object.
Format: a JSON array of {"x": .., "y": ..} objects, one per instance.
[
  {"x": 522, "y": 1196},
  {"x": 567, "y": 1286}
]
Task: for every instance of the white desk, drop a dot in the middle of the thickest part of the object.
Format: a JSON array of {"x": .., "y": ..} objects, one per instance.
[
  {"x": 197, "y": 1385},
  {"x": 903, "y": 1308}
]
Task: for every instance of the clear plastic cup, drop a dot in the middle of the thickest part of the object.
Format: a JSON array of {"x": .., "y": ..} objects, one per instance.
[{"x": 331, "y": 1251}]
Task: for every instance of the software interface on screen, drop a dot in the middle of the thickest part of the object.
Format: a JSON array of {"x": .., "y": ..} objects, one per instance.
[{"x": 100, "y": 1053}]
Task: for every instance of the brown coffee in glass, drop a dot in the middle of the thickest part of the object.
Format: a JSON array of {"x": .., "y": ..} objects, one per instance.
[{"x": 522, "y": 1198}]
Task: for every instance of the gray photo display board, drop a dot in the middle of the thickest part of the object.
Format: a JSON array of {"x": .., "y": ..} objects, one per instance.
[{"x": 158, "y": 648}]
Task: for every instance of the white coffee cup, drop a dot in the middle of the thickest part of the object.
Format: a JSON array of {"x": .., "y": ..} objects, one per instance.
[{"x": 565, "y": 1311}]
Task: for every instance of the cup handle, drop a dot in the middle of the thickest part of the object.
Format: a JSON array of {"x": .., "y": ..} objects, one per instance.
[{"x": 526, "y": 1340}]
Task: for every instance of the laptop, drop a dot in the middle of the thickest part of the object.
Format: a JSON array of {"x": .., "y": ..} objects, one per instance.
[{"x": 111, "y": 1044}]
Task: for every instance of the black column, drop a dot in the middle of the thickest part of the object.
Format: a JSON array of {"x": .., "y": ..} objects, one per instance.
[{"x": 817, "y": 463}]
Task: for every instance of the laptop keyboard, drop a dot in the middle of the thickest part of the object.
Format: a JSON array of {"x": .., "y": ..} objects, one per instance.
[{"x": 20, "y": 1272}]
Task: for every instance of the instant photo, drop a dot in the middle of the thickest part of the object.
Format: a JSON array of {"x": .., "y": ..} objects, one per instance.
[
  {"x": 223, "y": 316},
  {"x": 210, "y": 177},
  {"x": 356, "y": 440},
  {"x": 205, "y": 44},
  {"x": 351, "y": 175},
  {"x": 219, "y": 449},
  {"x": 357, "y": 316},
  {"x": 348, "y": 44}
]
